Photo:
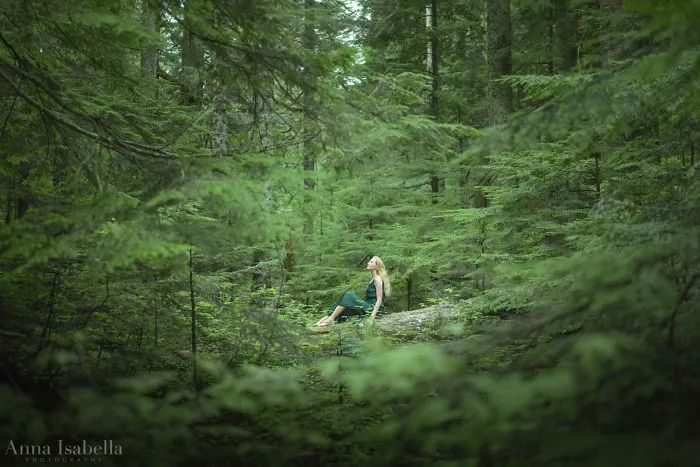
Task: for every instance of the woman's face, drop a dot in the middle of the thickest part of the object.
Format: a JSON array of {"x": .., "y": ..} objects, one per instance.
[{"x": 372, "y": 264}]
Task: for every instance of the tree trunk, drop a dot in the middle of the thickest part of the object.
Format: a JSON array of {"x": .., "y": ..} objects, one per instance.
[
  {"x": 22, "y": 193},
  {"x": 192, "y": 60},
  {"x": 8, "y": 201},
  {"x": 288, "y": 252},
  {"x": 220, "y": 97},
  {"x": 149, "y": 53},
  {"x": 499, "y": 59},
  {"x": 433, "y": 67},
  {"x": 433, "y": 60},
  {"x": 155, "y": 327},
  {"x": 500, "y": 95},
  {"x": 609, "y": 10},
  {"x": 193, "y": 322},
  {"x": 564, "y": 37},
  {"x": 308, "y": 40},
  {"x": 219, "y": 117},
  {"x": 259, "y": 278}
]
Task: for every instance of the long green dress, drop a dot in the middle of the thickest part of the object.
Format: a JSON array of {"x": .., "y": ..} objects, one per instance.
[{"x": 354, "y": 305}]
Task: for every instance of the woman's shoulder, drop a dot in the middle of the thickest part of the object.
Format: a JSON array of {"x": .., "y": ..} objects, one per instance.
[{"x": 378, "y": 280}]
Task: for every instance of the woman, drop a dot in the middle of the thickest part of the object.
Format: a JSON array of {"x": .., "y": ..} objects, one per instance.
[{"x": 350, "y": 304}]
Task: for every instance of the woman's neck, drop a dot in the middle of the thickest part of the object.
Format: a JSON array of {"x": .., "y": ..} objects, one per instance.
[{"x": 374, "y": 274}]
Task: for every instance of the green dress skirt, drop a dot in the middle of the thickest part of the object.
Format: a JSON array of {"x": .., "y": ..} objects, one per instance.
[{"x": 354, "y": 305}]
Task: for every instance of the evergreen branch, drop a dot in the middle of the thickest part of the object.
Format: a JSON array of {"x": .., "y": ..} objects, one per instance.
[
  {"x": 112, "y": 142},
  {"x": 110, "y": 70},
  {"x": 109, "y": 142},
  {"x": 227, "y": 44}
]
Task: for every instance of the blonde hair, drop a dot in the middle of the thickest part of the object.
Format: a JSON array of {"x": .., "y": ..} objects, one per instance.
[{"x": 381, "y": 270}]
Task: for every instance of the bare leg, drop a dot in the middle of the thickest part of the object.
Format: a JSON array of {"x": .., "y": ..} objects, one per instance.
[{"x": 329, "y": 319}]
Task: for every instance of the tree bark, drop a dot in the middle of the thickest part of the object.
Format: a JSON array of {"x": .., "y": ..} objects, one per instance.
[
  {"x": 8, "y": 202},
  {"x": 192, "y": 60},
  {"x": 499, "y": 59},
  {"x": 309, "y": 103},
  {"x": 155, "y": 327},
  {"x": 149, "y": 53},
  {"x": 500, "y": 95},
  {"x": 433, "y": 59},
  {"x": 219, "y": 117},
  {"x": 22, "y": 193},
  {"x": 433, "y": 67},
  {"x": 220, "y": 96},
  {"x": 609, "y": 10},
  {"x": 193, "y": 322},
  {"x": 564, "y": 36}
]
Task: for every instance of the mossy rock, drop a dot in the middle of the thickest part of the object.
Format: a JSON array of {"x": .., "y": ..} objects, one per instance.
[{"x": 414, "y": 325}]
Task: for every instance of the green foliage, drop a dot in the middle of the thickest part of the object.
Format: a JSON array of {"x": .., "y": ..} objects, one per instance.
[{"x": 566, "y": 238}]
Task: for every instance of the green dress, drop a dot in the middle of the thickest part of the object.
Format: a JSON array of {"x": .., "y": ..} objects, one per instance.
[{"x": 354, "y": 305}]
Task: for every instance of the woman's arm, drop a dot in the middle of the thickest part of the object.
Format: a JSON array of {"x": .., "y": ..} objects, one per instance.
[{"x": 379, "y": 286}]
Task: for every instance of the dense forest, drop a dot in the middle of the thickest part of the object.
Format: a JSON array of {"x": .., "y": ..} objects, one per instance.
[{"x": 186, "y": 186}]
